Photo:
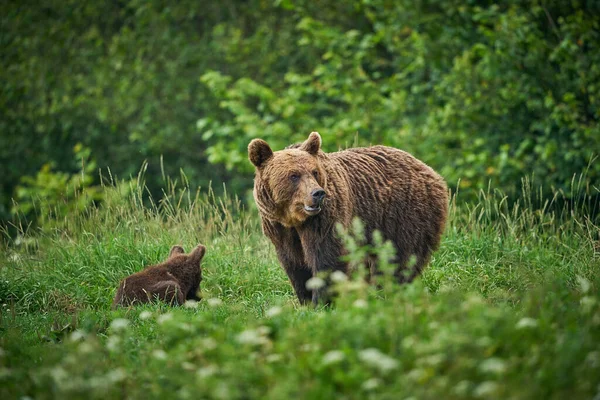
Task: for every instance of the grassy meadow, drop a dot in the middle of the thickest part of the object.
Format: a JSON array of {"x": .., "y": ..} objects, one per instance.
[{"x": 509, "y": 308}]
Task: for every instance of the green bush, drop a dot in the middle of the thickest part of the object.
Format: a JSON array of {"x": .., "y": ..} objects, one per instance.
[{"x": 479, "y": 90}]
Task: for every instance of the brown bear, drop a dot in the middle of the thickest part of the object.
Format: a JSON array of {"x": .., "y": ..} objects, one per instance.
[
  {"x": 173, "y": 281},
  {"x": 302, "y": 193}
]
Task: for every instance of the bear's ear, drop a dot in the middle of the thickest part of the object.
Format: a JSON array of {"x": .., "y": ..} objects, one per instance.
[
  {"x": 259, "y": 152},
  {"x": 198, "y": 253},
  {"x": 175, "y": 250},
  {"x": 312, "y": 144}
]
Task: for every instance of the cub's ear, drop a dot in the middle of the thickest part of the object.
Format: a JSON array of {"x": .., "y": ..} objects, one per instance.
[
  {"x": 313, "y": 144},
  {"x": 198, "y": 253},
  {"x": 175, "y": 250},
  {"x": 259, "y": 152}
]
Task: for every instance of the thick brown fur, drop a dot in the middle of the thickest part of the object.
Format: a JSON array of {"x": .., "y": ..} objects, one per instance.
[
  {"x": 388, "y": 189},
  {"x": 174, "y": 281}
]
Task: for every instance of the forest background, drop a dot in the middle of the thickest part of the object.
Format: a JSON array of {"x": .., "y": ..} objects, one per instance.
[{"x": 485, "y": 93}]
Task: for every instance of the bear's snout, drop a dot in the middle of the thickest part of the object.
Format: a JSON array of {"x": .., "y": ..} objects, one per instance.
[{"x": 318, "y": 195}]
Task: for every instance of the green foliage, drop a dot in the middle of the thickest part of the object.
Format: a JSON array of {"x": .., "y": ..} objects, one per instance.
[
  {"x": 51, "y": 196},
  {"x": 479, "y": 90},
  {"x": 508, "y": 308}
]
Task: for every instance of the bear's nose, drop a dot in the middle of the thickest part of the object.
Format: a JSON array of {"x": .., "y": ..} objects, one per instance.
[{"x": 318, "y": 195}]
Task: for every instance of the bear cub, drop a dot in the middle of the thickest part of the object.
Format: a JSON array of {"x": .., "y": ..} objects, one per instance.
[{"x": 173, "y": 281}]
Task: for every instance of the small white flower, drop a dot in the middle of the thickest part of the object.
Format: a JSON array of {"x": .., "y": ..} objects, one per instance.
[
  {"x": 486, "y": 389},
  {"x": 272, "y": 358},
  {"x": 587, "y": 303},
  {"x": 251, "y": 336},
  {"x": 307, "y": 347},
  {"x": 493, "y": 365},
  {"x": 144, "y": 315},
  {"x": 461, "y": 389},
  {"x": 191, "y": 304},
  {"x": 333, "y": 357},
  {"x": 526, "y": 322},
  {"x": 188, "y": 366},
  {"x": 113, "y": 343},
  {"x": 207, "y": 371},
  {"x": 77, "y": 335},
  {"x": 371, "y": 384},
  {"x": 159, "y": 354},
  {"x": 164, "y": 318},
  {"x": 360, "y": 303},
  {"x": 339, "y": 276},
  {"x": 85, "y": 348},
  {"x": 584, "y": 284},
  {"x": 116, "y": 375},
  {"x": 119, "y": 324},
  {"x": 214, "y": 302},
  {"x": 375, "y": 358},
  {"x": 315, "y": 283},
  {"x": 209, "y": 343},
  {"x": 273, "y": 312}
]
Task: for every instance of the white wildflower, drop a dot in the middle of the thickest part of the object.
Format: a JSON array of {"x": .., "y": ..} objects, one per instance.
[
  {"x": 461, "y": 389},
  {"x": 207, "y": 371},
  {"x": 214, "y": 302},
  {"x": 360, "y": 303},
  {"x": 526, "y": 322},
  {"x": 251, "y": 336},
  {"x": 85, "y": 348},
  {"x": 493, "y": 365},
  {"x": 272, "y": 358},
  {"x": 584, "y": 284},
  {"x": 164, "y": 318},
  {"x": 144, "y": 315},
  {"x": 333, "y": 357},
  {"x": 273, "y": 312},
  {"x": 113, "y": 342},
  {"x": 371, "y": 384},
  {"x": 119, "y": 324},
  {"x": 77, "y": 335},
  {"x": 116, "y": 375},
  {"x": 191, "y": 304},
  {"x": 188, "y": 366},
  {"x": 315, "y": 283},
  {"x": 308, "y": 347},
  {"x": 587, "y": 303},
  {"x": 486, "y": 389},
  {"x": 159, "y": 354},
  {"x": 375, "y": 358},
  {"x": 209, "y": 343},
  {"x": 338, "y": 276}
]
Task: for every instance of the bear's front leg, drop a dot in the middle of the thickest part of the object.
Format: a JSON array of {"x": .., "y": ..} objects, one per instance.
[
  {"x": 323, "y": 257},
  {"x": 289, "y": 252}
]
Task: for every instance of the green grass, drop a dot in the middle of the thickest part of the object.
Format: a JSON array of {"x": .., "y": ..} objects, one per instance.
[{"x": 507, "y": 309}]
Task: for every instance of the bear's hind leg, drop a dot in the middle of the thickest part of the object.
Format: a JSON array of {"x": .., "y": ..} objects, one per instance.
[{"x": 169, "y": 292}]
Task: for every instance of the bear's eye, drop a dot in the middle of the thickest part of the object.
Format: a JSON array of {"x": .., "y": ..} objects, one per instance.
[
  {"x": 316, "y": 174},
  {"x": 294, "y": 177}
]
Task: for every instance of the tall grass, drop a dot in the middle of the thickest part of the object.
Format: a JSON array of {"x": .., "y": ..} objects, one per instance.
[{"x": 508, "y": 308}]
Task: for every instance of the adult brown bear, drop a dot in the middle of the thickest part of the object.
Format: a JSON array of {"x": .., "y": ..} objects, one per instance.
[{"x": 302, "y": 192}]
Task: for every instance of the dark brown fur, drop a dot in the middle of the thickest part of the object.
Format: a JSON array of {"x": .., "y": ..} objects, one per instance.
[
  {"x": 173, "y": 281},
  {"x": 388, "y": 189}
]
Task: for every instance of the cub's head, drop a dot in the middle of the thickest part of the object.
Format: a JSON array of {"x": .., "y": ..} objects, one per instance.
[
  {"x": 179, "y": 261},
  {"x": 289, "y": 184}
]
